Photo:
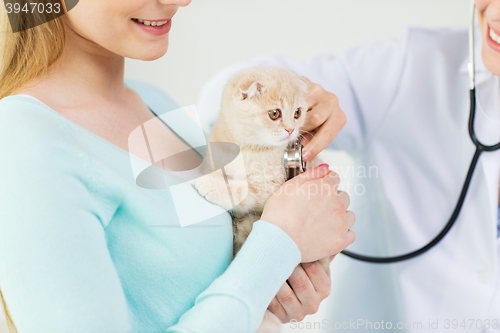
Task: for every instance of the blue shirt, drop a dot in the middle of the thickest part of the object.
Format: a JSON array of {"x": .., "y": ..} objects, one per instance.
[{"x": 84, "y": 249}]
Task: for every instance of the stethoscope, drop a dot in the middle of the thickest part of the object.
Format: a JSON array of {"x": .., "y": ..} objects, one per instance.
[{"x": 292, "y": 161}]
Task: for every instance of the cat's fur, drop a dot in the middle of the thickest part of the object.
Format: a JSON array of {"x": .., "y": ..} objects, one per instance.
[{"x": 244, "y": 120}]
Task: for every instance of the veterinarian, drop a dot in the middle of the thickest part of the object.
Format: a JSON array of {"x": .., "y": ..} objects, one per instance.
[
  {"x": 83, "y": 248},
  {"x": 408, "y": 107}
]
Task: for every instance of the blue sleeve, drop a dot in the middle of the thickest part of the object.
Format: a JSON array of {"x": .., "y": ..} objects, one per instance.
[
  {"x": 365, "y": 80},
  {"x": 56, "y": 273},
  {"x": 237, "y": 300}
]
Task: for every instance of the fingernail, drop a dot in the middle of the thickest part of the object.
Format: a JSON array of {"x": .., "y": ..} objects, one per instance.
[
  {"x": 306, "y": 155},
  {"x": 324, "y": 166}
]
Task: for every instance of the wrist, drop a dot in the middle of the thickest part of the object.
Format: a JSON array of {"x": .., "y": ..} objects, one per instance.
[{"x": 284, "y": 227}]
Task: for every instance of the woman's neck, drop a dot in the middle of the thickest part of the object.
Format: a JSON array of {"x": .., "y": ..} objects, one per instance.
[{"x": 85, "y": 75}]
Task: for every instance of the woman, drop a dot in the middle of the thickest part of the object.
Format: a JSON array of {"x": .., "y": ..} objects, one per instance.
[
  {"x": 82, "y": 247},
  {"x": 407, "y": 107}
]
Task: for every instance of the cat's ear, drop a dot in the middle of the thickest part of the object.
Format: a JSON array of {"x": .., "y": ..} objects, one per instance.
[
  {"x": 303, "y": 85},
  {"x": 255, "y": 89}
]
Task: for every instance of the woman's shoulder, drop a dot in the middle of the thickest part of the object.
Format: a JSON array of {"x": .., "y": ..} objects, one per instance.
[{"x": 26, "y": 126}]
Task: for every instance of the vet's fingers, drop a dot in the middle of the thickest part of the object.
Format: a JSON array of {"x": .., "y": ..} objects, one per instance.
[
  {"x": 324, "y": 136},
  {"x": 317, "y": 115},
  {"x": 314, "y": 93},
  {"x": 321, "y": 104}
]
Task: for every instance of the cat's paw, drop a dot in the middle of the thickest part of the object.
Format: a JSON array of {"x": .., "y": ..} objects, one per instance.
[{"x": 215, "y": 189}]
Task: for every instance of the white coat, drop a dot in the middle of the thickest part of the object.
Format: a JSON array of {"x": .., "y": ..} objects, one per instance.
[{"x": 407, "y": 107}]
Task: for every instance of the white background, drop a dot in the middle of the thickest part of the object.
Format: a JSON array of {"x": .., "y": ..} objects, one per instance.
[{"x": 208, "y": 35}]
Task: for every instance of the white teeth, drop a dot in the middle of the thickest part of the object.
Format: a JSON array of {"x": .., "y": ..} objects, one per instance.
[
  {"x": 494, "y": 36},
  {"x": 153, "y": 24}
]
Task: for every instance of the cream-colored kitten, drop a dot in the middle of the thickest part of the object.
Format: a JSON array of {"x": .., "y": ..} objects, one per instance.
[{"x": 262, "y": 112}]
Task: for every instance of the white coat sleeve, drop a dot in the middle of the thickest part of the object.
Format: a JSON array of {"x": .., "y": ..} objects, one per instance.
[{"x": 365, "y": 79}]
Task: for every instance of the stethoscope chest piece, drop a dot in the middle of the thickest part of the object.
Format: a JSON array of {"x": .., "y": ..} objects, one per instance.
[{"x": 292, "y": 160}]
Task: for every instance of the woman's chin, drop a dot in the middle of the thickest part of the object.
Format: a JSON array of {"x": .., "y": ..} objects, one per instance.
[
  {"x": 148, "y": 52},
  {"x": 492, "y": 62}
]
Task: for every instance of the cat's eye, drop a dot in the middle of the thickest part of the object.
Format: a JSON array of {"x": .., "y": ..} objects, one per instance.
[
  {"x": 297, "y": 113},
  {"x": 275, "y": 114}
]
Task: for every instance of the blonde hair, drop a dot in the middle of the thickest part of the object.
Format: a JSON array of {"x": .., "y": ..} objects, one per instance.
[
  {"x": 24, "y": 56},
  {"x": 29, "y": 53}
]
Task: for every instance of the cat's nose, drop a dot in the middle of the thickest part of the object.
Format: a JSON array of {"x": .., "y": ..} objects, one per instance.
[{"x": 290, "y": 131}]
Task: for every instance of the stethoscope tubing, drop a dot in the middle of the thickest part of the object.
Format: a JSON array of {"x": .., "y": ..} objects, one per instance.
[{"x": 479, "y": 149}]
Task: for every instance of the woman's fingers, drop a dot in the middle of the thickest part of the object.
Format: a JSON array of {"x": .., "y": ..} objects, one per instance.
[
  {"x": 350, "y": 238},
  {"x": 309, "y": 175},
  {"x": 289, "y": 301},
  {"x": 300, "y": 297},
  {"x": 319, "y": 277},
  {"x": 350, "y": 219},
  {"x": 277, "y": 309},
  {"x": 308, "y": 285},
  {"x": 344, "y": 198}
]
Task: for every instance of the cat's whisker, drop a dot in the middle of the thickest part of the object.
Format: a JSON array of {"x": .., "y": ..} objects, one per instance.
[
  {"x": 302, "y": 136},
  {"x": 304, "y": 131}
]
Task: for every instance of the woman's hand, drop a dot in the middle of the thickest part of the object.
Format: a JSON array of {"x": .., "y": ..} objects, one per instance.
[
  {"x": 311, "y": 210},
  {"x": 308, "y": 285},
  {"x": 324, "y": 120}
]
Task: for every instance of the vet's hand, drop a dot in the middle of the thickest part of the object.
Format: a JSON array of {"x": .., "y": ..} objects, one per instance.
[
  {"x": 308, "y": 285},
  {"x": 324, "y": 120}
]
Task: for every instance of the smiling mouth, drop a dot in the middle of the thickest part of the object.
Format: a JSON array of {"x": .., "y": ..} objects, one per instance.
[
  {"x": 150, "y": 23},
  {"x": 494, "y": 36}
]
